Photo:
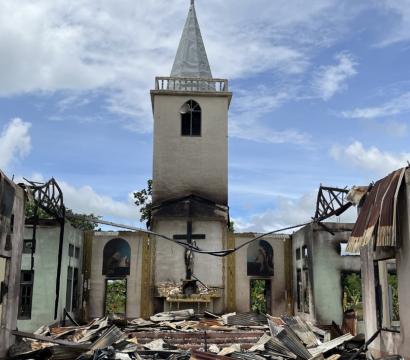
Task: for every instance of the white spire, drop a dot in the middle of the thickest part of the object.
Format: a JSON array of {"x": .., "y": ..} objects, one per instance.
[{"x": 191, "y": 59}]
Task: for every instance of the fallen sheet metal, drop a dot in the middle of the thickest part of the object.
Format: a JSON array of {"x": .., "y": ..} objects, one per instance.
[
  {"x": 301, "y": 329},
  {"x": 248, "y": 319},
  {"x": 327, "y": 346},
  {"x": 290, "y": 338},
  {"x": 173, "y": 315},
  {"x": 109, "y": 337}
]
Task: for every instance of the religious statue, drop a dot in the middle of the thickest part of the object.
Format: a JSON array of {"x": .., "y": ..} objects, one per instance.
[{"x": 189, "y": 261}]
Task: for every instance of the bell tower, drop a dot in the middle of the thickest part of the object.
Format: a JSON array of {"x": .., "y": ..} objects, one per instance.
[
  {"x": 190, "y": 111},
  {"x": 190, "y": 174}
]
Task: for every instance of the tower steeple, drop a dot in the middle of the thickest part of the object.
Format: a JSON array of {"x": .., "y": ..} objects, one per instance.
[{"x": 191, "y": 59}]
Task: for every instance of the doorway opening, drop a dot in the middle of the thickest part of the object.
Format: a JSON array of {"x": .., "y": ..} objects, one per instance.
[
  {"x": 260, "y": 291},
  {"x": 115, "y": 296},
  {"x": 352, "y": 292},
  {"x": 387, "y": 294}
]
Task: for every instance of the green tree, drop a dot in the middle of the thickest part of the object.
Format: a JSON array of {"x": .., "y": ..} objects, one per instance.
[
  {"x": 352, "y": 293},
  {"x": 79, "y": 221},
  {"x": 231, "y": 226},
  {"x": 30, "y": 210},
  {"x": 143, "y": 199},
  {"x": 393, "y": 284},
  {"x": 116, "y": 297},
  {"x": 258, "y": 300}
]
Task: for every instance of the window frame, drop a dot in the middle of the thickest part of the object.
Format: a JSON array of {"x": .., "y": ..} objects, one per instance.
[
  {"x": 298, "y": 253},
  {"x": 75, "y": 290},
  {"x": 72, "y": 295},
  {"x": 23, "y": 285},
  {"x": 305, "y": 252},
  {"x": 306, "y": 290},
  {"x": 32, "y": 248},
  {"x": 71, "y": 250},
  {"x": 299, "y": 290},
  {"x": 194, "y": 107},
  {"x": 384, "y": 304},
  {"x": 69, "y": 289}
]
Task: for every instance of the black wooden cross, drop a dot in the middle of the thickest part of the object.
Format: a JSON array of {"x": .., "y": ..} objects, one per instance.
[
  {"x": 189, "y": 255},
  {"x": 189, "y": 236}
]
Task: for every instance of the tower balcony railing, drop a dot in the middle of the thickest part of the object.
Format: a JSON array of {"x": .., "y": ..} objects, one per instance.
[{"x": 191, "y": 84}]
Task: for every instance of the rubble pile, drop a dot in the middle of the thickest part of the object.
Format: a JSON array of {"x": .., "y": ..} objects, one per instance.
[
  {"x": 180, "y": 335},
  {"x": 174, "y": 290}
]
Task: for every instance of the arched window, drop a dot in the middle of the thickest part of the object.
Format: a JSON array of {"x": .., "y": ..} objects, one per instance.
[
  {"x": 116, "y": 258},
  {"x": 190, "y": 119},
  {"x": 260, "y": 259}
]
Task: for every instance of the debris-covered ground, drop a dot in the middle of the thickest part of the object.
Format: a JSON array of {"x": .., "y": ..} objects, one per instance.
[{"x": 179, "y": 335}]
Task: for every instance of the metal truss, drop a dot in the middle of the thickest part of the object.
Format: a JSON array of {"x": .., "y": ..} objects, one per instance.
[
  {"x": 330, "y": 202},
  {"x": 49, "y": 197}
]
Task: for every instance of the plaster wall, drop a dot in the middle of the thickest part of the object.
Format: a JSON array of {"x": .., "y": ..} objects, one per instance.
[
  {"x": 387, "y": 342},
  {"x": 45, "y": 270},
  {"x": 325, "y": 266},
  {"x": 97, "y": 280},
  {"x": 403, "y": 269},
  {"x": 169, "y": 257},
  {"x": 3, "y": 263},
  {"x": 278, "y": 280},
  {"x": 11, "y": 261},
  {"x": 185, "y": 165},
  {"x": 303, "y": 237}
]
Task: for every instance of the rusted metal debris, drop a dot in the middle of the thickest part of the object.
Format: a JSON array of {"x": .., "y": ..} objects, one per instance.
[
  {"x": 378, "y": 214},
  {"x": 189, "y": 337}
]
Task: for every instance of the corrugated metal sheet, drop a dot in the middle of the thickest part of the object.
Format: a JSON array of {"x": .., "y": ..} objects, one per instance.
[
  {"x": 331, "y": 344},
  {"x": 109, "y": 337},
  {"x": 301, "y": 330},
  {"x": 289, "y": 339},
  {"x": 378, "y": 214},
  {"x": 247, "y": 319},
  {"x": 200, "y": 355}
]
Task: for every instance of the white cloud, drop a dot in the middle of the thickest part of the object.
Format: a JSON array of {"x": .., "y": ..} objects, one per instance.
[
  {"x": 254, "y": 132},
  {"x": 393, "y": 128},
  {"x": 15, "y": 142},
  {"x": 288, "y": 212},
  {"x": 397, "y": 129},
  {"x": 85, "y": 199},
  {"x": 253, "y": 106},
  {"x": 119, "y": 47},
  {"x": 372, "y": 159},
  {"x": 399, "y": 31},
  {"x": 396, "y": 106},
  {"x": 332, "y": 79}
]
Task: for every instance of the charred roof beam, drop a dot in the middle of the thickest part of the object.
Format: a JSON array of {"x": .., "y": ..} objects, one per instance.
[{"x": 331, "y": 201}]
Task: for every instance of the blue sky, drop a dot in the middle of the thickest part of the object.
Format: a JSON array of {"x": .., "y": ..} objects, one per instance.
[{"x": 321, "y": 95}]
